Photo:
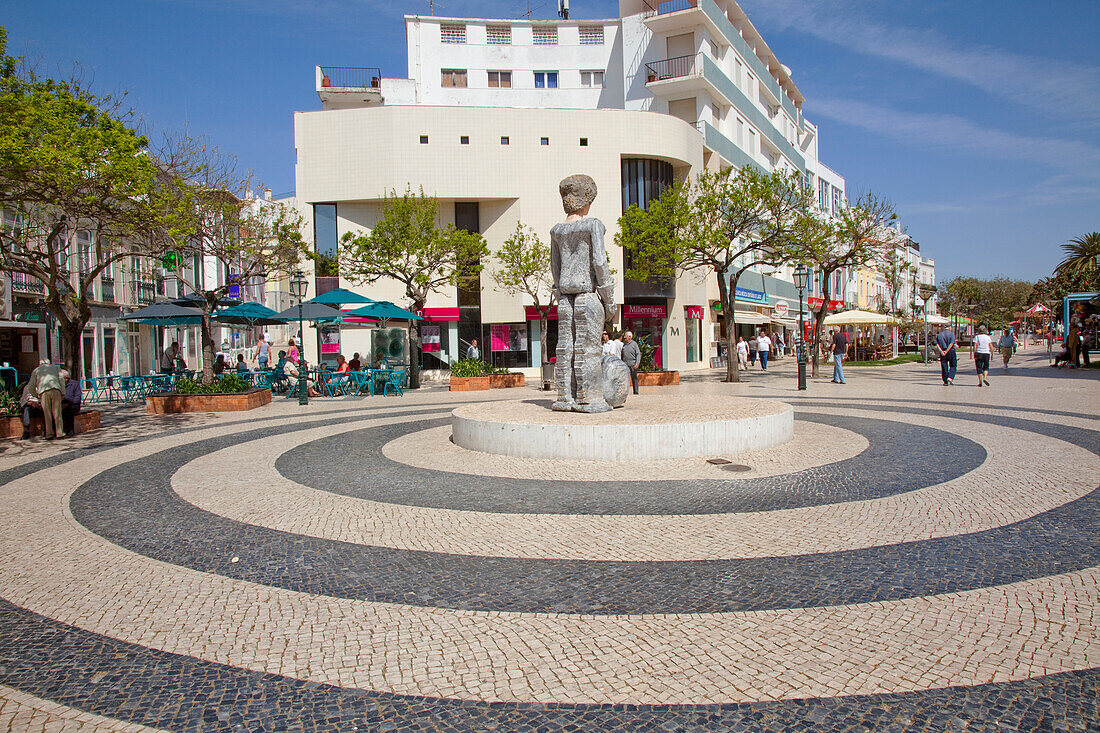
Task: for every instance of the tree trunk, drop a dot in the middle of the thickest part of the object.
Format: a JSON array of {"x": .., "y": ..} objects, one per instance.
[
  {"x": 729, "y": 321},
  {"x": 414, "y": 345},
  {"x": 72, "y": 334},
  {"x": 819, "y": 321},
  {"x": 206, "y": 337}
]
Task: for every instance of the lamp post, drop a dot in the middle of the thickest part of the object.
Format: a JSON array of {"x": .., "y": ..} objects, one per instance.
[
  {"x": 801, "y": 277},
  {"x": 926, "y": 293},
  {"x": 299, "y": 286}
]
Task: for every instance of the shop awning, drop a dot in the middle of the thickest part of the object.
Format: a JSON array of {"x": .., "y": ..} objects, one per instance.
[
  {"x": 751, "y": 318},
  {"x": 439, "y": 314}
]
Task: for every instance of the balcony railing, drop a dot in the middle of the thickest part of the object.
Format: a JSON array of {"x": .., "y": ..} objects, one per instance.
[
  {"x": 351, "y": 77},
  {"x": 107, "y": 289},
  {"x": 21, "y": 283},
  {"x": 145, "y": 293},
  {"x": 674, "y": 68},
  {"x": 671, "y": 6}
]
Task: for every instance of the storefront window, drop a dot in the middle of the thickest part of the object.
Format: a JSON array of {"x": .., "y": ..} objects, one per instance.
[
  {"x": 508, "y": 345},
  {"x": 693, "y": 329}
]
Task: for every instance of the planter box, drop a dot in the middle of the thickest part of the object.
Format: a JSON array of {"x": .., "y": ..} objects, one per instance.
[
  {"x": 658, "y": 379},
  {"x": 12, "y": 427},
  {"x": 504, "y": 381},
  {"x": 171, "y": 403},
  {"x": 469, "y": 384}
]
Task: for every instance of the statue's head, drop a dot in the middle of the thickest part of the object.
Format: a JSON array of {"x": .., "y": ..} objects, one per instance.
[{"x": 577, "y": 193}]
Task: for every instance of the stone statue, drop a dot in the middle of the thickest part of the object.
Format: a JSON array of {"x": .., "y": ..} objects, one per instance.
[{"x": 586, "y": 300}]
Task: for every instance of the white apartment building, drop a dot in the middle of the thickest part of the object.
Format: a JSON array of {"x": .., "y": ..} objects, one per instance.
[{"x": 494, "y": 113}]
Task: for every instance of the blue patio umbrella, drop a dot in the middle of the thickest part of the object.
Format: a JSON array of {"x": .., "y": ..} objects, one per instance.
[
  {"x": 249, "y": 314},
  {"x": 194, "y": 300},
  {"x": 340, "y": 296},
  {"x": 384, "y": 311},
  {"x": 312, "y": 312}
]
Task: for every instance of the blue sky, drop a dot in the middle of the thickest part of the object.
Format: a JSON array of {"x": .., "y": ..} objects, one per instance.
[{"x": 979, "y": 119}]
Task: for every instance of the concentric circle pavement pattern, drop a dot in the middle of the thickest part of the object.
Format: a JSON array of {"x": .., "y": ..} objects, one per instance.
[{"x": 919, "y": 558}]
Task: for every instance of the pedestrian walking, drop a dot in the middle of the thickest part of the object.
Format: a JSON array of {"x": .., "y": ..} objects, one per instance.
[
  {"x": 611, "y": 346},
  {"x": 632, "y": 357},
  {"x": 742, "y": 354},
  {"x": 263, "y": 352},
  {"x": 983, "y": 351},
  {"x": 473, "y": 352},
  {"x": 763, "y": 348},
  {"x": 752, "y": 352},
  {"x": 840, "y": 350},
  {"x": 1007, "y": 345},
  {"x": 946, "y": 347}
]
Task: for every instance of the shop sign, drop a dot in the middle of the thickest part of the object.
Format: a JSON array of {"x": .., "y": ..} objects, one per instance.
[
  {"x": 693, "y": 312},
  {"x": 816, "y": 302},
  {"x": 234, "y": 290},
  {"x": 754, "y": 296},
  {"x": 330, "y": 339},
  {"x": 645, "y": 312},
  {"x": 532, "y": 313},
  {"x": 506, "y": 337},
  {"x": 782, "y": 308}
]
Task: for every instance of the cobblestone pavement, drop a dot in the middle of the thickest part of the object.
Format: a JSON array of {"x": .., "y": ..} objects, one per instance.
[{"x": 920, "y": 558}]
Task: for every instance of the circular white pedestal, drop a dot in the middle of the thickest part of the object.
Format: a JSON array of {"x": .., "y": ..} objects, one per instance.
[{"x": 650, "y": 427}]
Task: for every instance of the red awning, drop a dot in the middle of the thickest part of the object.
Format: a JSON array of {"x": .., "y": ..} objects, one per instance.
[
  {"x": 532, "y": 313},
  {"x": 439, "y": 314}
]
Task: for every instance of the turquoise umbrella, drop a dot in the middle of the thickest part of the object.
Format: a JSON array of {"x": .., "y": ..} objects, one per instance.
[
  {"x": 249, "y": 314},
  {"x": 164, "y": 314},
  {"x": 384, "y": 311},
  {"x": 340, "y": 296}
]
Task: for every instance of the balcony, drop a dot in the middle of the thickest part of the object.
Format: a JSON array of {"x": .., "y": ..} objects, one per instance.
[
  {"x": 674, "y": 68},
  {"x": 351, "y": 77},
  {"x": 145, "y": 293},
  {"x": 107, "y": 289},
  {"x": 21, "y": 283}
]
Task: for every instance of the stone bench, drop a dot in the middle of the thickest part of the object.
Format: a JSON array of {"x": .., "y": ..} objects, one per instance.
[{"x": 11, "y": 426}]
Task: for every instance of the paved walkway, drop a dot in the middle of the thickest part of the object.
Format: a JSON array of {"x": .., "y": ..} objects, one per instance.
[{"x": 921, "y": 557}]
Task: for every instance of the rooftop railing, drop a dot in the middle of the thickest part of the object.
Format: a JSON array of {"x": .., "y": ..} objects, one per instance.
[
  {"x": 671, "y": 6},
  {"x": 351, "y": 77}
]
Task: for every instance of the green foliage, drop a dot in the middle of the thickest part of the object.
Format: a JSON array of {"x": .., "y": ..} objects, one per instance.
[
  {"x": 470, "y": 368},
  {"x": 1080, "y": 261},
  {"x": 993, "y": 302},
  {"x": 9, "y": 403},
  {"x": 525, "y": 266},
  {"x": 649, "y": 354},
  {"x": 899, "y": 359},
  {"x": 225, "y": 384}
]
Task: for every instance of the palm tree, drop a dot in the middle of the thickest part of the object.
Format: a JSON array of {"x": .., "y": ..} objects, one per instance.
[{"x": 1082, "y": 257}]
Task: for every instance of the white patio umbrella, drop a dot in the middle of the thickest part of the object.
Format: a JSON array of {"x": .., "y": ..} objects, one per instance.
[{"x": 859, "y": 318}]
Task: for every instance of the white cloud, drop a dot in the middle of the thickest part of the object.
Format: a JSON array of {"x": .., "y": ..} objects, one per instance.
[{"x": 1065, "y": 89}]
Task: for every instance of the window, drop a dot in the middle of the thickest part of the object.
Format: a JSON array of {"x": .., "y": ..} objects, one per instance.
[
  {"x": 591, "y": 35},
  {"x": 498, "y": 35},
  {"x": 453, "y": 78},
  {"x": 546, "y": 79},
  {"x": 545, "y": 36},
  {"x": 504, "y": 140},
  {"x": 544, "y": 141},
  {"x": 592, "y": 79},
  {"x": 836, "y": 201},
  {"x": 500, "y": 80},
  {"x": 823, "y": 194},
  {"x": 584, "y": 142},
  {"x": 452, "y": 33},
  {"x": 464, "y": 140},
  {"x": 423, "y": 139}
]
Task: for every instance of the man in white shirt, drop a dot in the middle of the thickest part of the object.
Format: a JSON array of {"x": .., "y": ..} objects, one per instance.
[
  {"x": 612, "y": 346},
  {"x": 763, "y": 347}
]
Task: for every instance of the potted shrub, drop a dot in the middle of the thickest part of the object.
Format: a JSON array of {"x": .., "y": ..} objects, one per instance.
[
  {"x": 648, "y": 373},
  {"x": 468, "y": 375},
  {"x": 228, "y": 393},
  {"x": 502, "y": 379}
]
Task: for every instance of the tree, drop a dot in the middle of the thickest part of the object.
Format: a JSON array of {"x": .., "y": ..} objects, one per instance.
[
  {"x": 723, "y": 223},
  {"x": 1082, "y": 261},
  {"x": 406, "y": 245},
  {"x": 206, "y": 212},
  {"x": 525, "y": 268},
  {"x": 68, "y": 164},
  {"x": 851, "y": 241}
]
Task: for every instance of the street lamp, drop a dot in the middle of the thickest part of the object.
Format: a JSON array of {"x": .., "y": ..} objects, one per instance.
[
  {"x": 299, "y": 286},
  {"x": 926, "y": 293},
  {"x": 801, "y": 278}
]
